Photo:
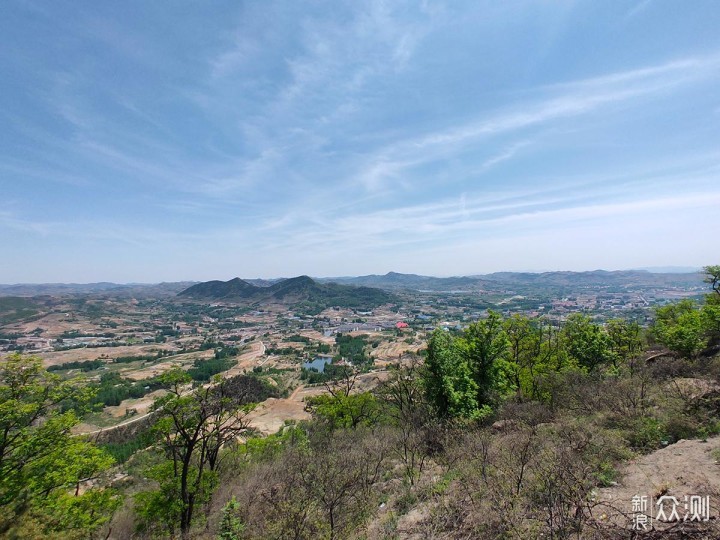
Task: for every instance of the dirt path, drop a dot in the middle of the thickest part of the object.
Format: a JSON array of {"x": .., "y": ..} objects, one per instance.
[
  {"x": 89, "y": 429},
  {"x": 296, "y": 391},
  {"x": 682, "y": 470},
  {"x": 246, "y": 360},
  {"x": 271, "y": 415}
]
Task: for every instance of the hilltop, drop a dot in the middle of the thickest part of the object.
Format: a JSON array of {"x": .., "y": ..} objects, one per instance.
[
  {"x": 297, "y": 290},
  {"x": 523, "y": 280}
]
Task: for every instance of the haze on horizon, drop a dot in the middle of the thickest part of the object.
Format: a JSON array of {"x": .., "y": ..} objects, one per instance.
[{"x": 157, "y": 141}]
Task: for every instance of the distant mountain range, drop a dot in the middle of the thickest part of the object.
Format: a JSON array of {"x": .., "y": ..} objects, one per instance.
[
  {"x": 325, "y": 289},
  {"x": 297, "y": 290},
  {"x": 67, "y": 289},
  {"x": 489, "y": 282}
]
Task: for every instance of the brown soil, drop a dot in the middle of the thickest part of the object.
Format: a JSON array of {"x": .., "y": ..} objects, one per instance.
[
  {"x": 91, "y": 353},
  {"x": 250, "y": 358},
  {"x": 681, "y": 470},
  {"x": 141, "y": 405},
  {"x": 271, "y": 415},
  {"x": 161, "y": 367}
]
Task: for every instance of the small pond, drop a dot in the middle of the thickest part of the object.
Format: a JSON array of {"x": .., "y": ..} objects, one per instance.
[{"x": 319, "y": 363}]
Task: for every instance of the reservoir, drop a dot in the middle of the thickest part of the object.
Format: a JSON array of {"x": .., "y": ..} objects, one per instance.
[{"x": 319, "y": 363}]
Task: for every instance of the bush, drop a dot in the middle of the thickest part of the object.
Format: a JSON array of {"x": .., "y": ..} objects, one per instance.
[{"x": 646, "y": 434}]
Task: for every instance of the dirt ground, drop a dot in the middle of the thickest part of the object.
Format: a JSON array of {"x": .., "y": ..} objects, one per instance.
[
  {"x": 682, "y": 470},
  {"x": 159, "y": 368},
  {"x": 54, "y": 323},
  {"x": 91, "y": 353},
  {"x": 392, "y": 352},
  {"x": 248, "y": 359},
  {"x": 271, "y": 415},
  {"x": 141, "y": 405}
]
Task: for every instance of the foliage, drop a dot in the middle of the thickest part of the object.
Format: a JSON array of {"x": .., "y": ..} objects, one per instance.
[
  {"x": 680, "y": 328},
  {"x": 42, "y": 466},
  {"x": 344, "y": 411},
  {"x": 448, "y": 379},
  {"x": 313, "y": 376},
  {"x": 485, "y": 346},
  {"x": 351, "y": 348},
  {"x": 712, "y": 277},
  {"x": 88, "y": 365},
  {"x": 122, "y": 451},
  {"x": 687, "y": 328},
  {"x": 203, "y": 370},
  {"x": 340, "y": 407},
  {"x": 111, "y": 390},
  {"x": 297, "y": 339},
  {"x": 165, "y": 509},
  {"x": 625, "y": 340},
  {"x": 193, "y": 426},
  {"x": 231, "y": 527},
  {"x": 587, "y": 342}
]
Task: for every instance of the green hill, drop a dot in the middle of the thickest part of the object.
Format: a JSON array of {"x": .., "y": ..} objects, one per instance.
[{"x": 301, "y": 290}]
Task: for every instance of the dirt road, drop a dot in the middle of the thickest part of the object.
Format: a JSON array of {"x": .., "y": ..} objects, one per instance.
[{"x": 682, "y": 470}]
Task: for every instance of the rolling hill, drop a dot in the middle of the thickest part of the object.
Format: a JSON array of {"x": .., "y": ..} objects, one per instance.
[
  {"x": 499, "y": 281},
  {"x": 301, "y": 290}
]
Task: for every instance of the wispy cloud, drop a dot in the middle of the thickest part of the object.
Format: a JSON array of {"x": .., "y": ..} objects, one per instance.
[
  {"x": 293, "y": 132},
  {"x": 573, "y": 99},
  {"x": 637, "y": 9}
]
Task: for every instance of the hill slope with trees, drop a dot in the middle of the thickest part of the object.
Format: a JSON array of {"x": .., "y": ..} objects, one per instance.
[{"x": 301, "y": 289}]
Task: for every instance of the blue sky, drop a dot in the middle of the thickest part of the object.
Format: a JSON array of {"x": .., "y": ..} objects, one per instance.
[{"x": 163, "y": 141}]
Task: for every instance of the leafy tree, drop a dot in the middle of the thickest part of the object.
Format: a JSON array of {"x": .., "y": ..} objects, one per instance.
[
  {"x": 344, "y": 411},
  {"x": 340, "y": 408},
  {"x": 710, "y": 314},
  {"x": 625, "y": 340},
  {"x": 712, "y": 276},
  {"x": 524, "y": 341},
  {"x": 485, "y": 347},
  {"x": 448, "y": 378},
  {"x": 42, "y": 466},
  {"x": 194, "y": 425},
  {"x": 686, "y": 328},
  {"x": 587, "y": 342},
  {"x": 680, "y": 328},
  {"x": 711, "y": 308}
]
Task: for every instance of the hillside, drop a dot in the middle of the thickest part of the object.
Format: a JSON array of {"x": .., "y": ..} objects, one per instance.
[
  {"x": 525, "y": 280},
  {"x": 96, "y": 289},
  {"x": 292, "y": 291},
  {"x": 397, "y": 281}
]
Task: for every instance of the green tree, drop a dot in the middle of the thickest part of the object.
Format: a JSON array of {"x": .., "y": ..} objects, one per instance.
[
  {"x": 340, "y": 407},
  {"x": 344, "y": 411},
  {"x": 625, "y": 340},
  {"x": 194, "y": 425},
  {"x": 587, "y": 342},
  {"x": 524, "y": 347},
  {"x": 44, "y": 470},
  {"x": 448, "y": 378},
  {"x": 711, "y": 308},
  {"x": 485, "y": 346},
  {"x": 680, "y": 327},
  {"x": 712, "y": 276}
]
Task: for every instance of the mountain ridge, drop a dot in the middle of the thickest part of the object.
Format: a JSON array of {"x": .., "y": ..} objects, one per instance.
[{"x": 296, "y": 290}]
